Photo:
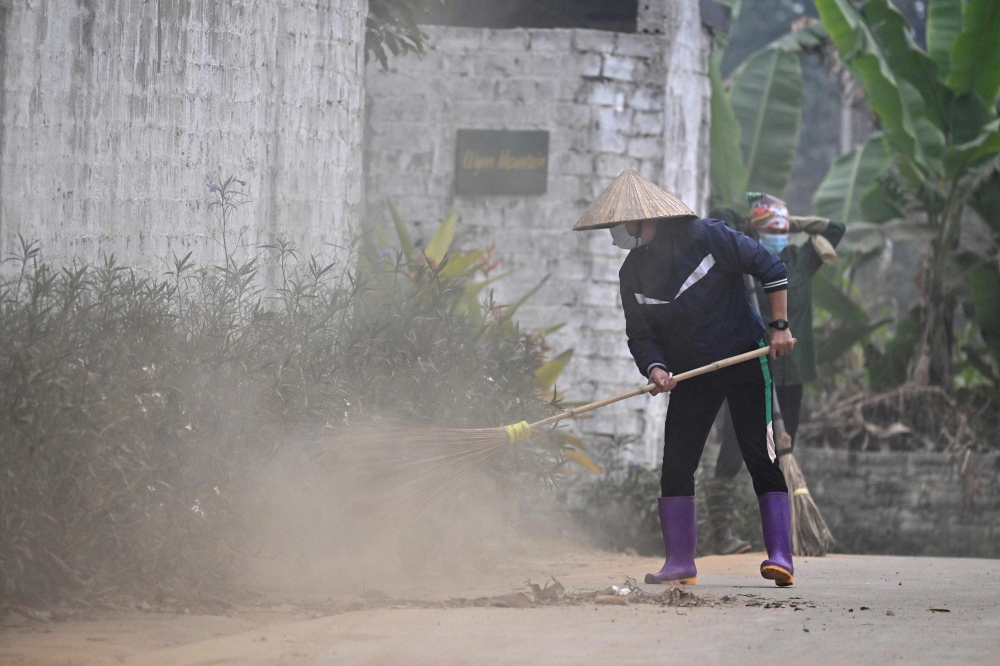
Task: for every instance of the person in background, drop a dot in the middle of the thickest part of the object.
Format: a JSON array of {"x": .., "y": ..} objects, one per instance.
[{"x": 770, "y": 223}]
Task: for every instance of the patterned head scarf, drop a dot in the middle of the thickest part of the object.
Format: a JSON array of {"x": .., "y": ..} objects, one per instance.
[{"x": 768, "y": 214}]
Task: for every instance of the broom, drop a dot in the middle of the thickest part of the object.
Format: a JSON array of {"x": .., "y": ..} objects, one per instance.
[
  {"x": 425, "y": 463},
  {"x": 810, "y": 535}
]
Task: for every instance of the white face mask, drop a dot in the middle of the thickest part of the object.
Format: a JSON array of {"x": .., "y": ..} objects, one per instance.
[{"x": 620, "y": 237}]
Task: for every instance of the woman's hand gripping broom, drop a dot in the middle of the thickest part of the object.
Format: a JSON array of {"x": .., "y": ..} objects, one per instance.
[{"x": 523, "y": 429}]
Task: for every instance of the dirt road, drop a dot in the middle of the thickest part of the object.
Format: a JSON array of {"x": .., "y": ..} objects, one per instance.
[{"x": 842, "y": 610}]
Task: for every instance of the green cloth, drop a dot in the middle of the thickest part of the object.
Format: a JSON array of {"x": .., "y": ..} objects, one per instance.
[{"x": 802, "y": 263}]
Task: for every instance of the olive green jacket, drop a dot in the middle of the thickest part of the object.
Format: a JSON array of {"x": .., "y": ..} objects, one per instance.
[{"x": 802, "y": 263}]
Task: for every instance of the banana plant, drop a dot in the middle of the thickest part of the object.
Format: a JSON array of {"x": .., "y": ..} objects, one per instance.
[
  {"x": 757, "y": 117},
  {"x": 937, "y": 152}
]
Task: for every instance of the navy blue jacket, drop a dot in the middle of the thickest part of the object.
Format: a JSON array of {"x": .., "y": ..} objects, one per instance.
[{"x": 684, "y": 299}]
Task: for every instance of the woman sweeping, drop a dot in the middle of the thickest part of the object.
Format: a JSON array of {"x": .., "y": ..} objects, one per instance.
[{"x": 685, "y": 306}]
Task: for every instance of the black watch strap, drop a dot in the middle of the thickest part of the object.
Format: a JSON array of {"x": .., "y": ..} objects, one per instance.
[{"x": 779, "y": 324}]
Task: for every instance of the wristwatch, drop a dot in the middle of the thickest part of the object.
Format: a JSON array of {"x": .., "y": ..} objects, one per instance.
[{"x": 779, "y": 324}]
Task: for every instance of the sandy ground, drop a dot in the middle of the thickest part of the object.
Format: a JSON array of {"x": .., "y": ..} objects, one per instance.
[{"x": 847, "y": 610}]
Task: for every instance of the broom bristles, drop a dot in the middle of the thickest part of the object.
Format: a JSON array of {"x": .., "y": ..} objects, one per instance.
[
  {"x": 810, "y": 534},
  {"x": 417, "y": 464}
]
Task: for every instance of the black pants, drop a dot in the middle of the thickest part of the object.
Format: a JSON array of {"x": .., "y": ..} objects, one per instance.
[
  {"x": 730, "y": 460},
  {"x": 693, "y": 406}
]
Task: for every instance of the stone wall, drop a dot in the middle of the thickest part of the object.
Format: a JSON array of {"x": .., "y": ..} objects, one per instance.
[
  {"x": 610, "y": 102},
  {"x": 116, "y": 114},
  {"x": 907, "y": 503}
]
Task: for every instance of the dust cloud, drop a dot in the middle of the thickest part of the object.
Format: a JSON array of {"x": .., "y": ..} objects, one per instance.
[{"x": 319, "y": 528}]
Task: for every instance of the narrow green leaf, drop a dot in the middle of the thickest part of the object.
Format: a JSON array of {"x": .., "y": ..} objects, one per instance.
[
  {"x": 381, "y": 240},
  {"x": 548, "y": 372},
  {"x": 975, "y": 55},
  {"x": 767, "y": 102},
  {"x": 567, "y": 436},
  {"x": 583, "y": 460},
  {"x": 441, "y": 242},
  {"x": 728, "y": 173},
  {"x": 458, "y": 264},
  {"x": 944, "y": 25},
  {"x": 849, "y": 179},
  {"x": 473, "y": 288},
  {"x": 511, "y": 309},
  {"x": 550, "y": 330},
  {"x": 404, "y": 235}
]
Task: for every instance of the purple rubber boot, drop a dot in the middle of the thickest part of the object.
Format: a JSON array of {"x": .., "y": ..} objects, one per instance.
[
  {"x": 776, "y": 519},
  {"x": 679, "y": 525}
]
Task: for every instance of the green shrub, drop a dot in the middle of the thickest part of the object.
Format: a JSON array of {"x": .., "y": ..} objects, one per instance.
[{"x": 136, "y": 413}]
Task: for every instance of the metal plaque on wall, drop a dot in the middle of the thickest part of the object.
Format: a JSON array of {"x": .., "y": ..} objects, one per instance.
[{"x": 501, "y": 162}]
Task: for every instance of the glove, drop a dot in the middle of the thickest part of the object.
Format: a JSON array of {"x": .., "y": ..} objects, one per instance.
[
  {"x": 823, "y": 248},
  {"x": 810, "y": 224}
]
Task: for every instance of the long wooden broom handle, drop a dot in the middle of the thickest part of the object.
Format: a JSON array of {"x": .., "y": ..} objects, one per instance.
[{"x": 576, "y": 411}]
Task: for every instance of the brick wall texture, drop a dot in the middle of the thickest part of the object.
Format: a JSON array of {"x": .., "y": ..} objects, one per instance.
[
  {"x": 117, "y": 113},
  {"x": 907, "y": 503},
  {"x": 610, "y": 102}
]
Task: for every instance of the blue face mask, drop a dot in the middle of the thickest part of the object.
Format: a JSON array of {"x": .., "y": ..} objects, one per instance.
[
  {"x": 620, "y": 237},
  {"x": 775, "y": 243}
]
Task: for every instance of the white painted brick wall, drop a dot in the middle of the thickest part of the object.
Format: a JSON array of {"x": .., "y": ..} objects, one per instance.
[
  {"x": 117, "y": 113},
  {"x": 602, "y": 97}
]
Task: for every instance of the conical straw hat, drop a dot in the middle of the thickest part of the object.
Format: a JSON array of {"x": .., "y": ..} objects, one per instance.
[{"x": 631, "y": 197}]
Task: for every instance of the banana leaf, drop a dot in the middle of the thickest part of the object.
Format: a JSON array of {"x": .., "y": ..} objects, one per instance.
[
  {"x": 862, "y": 54},
  {"x": 984, "y": 283},
  {"x": 836, "y": 302},
  {"x": 975, "y": 55},
  {"x": 968, "y": 113},
  {"x": 944, "y": 25},
  {"x": 850, "y": 179},
  {"x": 803, "y": 40},
  {"x": 728, "y": 173},
  {"x": 907, "y": 60},
  {"x": 986, "y": 202},
  {"x": 842, "y": 339},
  {"x": 767, "y": 101},
  {"x": 722, "y": 36},
  {"x": 878, "y": 205},
  {"x": 984, "y": 146}
]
